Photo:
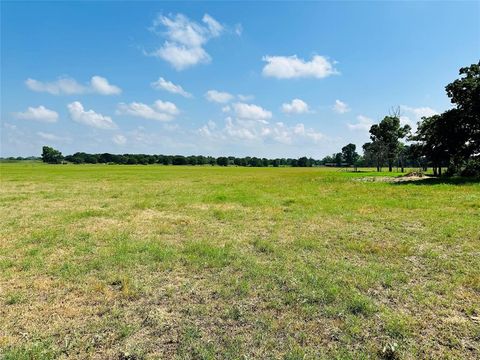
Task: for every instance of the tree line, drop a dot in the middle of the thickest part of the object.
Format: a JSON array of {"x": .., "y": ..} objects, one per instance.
[{"x": 53, "y": 156}]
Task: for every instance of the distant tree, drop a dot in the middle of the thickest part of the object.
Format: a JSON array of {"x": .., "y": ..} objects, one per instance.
[
  {"x": 179, "y": 160},
  {"x": 374, "y": 154},
  {"x": 350, "y": 156},
  {"x": 303, "y": 162},
  {"x": 255, "y": 162},
  {"x": 338, "y": 159},
  {"x": 222, "y": 161},
  {"x": 240, "y": 162},
  {"x": 51, "y": 156},
  {"x": 201, "y": 160},
  {"x": 192, "y": 160},
  {"x": 328, "y": 160},
  {"x": 132, "y": 160}
]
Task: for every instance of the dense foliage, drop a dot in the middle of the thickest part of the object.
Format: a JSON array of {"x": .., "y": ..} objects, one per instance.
[{"x": 452, "y": 139}]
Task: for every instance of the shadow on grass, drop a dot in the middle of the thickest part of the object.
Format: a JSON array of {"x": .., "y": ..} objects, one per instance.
[{"x": 439, "y": 181}]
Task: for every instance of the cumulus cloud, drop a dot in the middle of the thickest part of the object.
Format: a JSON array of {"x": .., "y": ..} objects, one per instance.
[
  {"x": 162, "y": 84},
  {"x": 90, "y": 117},
  {"x": 296, "y": 106},
  {"x": 119, "y": 139},
  {"x": 182, "y": 57},
  {"x": 69, "y": 86},
  {"x": 251, "y": 112},
  {"x": 420, "y": 111},
  {"x": 213, "y": 25},
  {"x": 413, "y": 115},
  {"x": 300, "y": 129},
  {"x": 52, "y": 137},
  {"x": 185, "y": 39},
  {"x": 208, "y": 129},
  {"x": 290, "y": 67},
  {"x": 254, "y": 131},
  {"x": 40, "y": 113},
  {"x": 101, "y": 86},
  {"x": 340, "y": 107},
  {"x": 218, "y": 96},
  {"x": 363, "y": 123},
  {"x": 160, "y": 110},
  {"x": 245, "y": 97}
]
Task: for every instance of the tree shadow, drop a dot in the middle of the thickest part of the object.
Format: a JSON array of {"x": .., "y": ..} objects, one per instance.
[{"x": 440, "y": 181}]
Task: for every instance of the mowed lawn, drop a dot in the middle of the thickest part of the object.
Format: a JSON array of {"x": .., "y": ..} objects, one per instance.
[{"x": 133, "y": 262}]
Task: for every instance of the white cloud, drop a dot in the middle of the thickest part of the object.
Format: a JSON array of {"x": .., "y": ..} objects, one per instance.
[
  {"x": 119, "y": 139},
  {"x": 207, "y": 129},
  {"x": 160, "y": 110},
  {"x": 254, "y": 131},
  {"x": 251, "y": 112},
  {"x": 213, "y": 25},
  {"x": 52, "y": 137},
  {"x": 40, "y": 113},
  {"x": 406, "y": 120},
  {"x": 236, "y": 130},
  {"x": 296, "y": 106},
  {"x": 162, "y": 84},
  {"x": 90, "y": 117},
  {"x": 363, "y": 123},
  {"x": 182, "y": 57},
  {"x": 64, "y": 85},
  {"x": 218, "y": 96},
  {"x": 289, "y": 67},
  {"x": 226, "y": 109},
  {"x": 166, "y": 107},
  {"x": 414, "y": 115},
  {"x": 245, "y": 97},
  {"x": 340, "y": 107},
  {"x": 101, "y": 86},
  {"x": 69, "y": 86},
  {"x": 185, "y": 39},
  {"x": 419, "y": 112},
  {"x": 300, "y": 129}
]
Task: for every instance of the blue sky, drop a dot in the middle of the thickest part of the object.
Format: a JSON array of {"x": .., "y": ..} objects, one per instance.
[{"x": 223, "y": 78}]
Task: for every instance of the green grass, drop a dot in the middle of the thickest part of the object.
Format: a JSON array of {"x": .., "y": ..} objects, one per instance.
[{"x": 233, "y": 263}]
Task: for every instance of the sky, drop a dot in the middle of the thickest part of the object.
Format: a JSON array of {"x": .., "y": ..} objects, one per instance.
[{"x": 267, "y": 79}]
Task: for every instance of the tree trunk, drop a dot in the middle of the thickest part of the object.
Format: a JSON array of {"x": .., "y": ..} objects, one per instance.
[
  {"x": 434, "y": 171},
  {"x": 389, "y": 166},
  {"x": 439, "y": 171}
]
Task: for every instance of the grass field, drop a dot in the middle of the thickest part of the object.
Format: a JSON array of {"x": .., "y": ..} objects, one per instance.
[{"x": 132, "y": 262}]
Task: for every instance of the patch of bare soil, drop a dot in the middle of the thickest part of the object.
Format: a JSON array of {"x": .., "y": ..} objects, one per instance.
[{"x": 413, "y": 176}]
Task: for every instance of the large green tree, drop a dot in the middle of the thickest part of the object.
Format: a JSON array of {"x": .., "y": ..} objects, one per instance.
[
  {"x": 51, "y": 156},
  {"x": 349, "y": 154},
  {"x": 465, "y": 94},
  {"x": 386, "y": 137},
  {"x": 453, "y": 138}
]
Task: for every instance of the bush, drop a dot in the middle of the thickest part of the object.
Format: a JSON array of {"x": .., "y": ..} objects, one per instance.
[{"x": 472, "y": 168}]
